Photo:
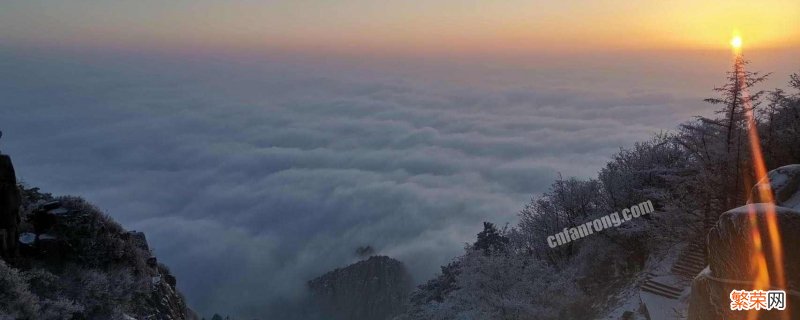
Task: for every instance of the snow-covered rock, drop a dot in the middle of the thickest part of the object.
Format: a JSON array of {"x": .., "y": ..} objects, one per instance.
[
  {"x": 27, "y": 238},
  {"x": 785, "y": 185}
]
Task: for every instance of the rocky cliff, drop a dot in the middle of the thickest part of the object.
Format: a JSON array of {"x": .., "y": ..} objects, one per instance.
[
  {"x": 65, "y": 259},
  {"x": 372, "y": 289}
]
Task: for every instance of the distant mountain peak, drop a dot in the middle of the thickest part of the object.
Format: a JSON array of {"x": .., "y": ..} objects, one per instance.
[{"x": 372, "y": 289}]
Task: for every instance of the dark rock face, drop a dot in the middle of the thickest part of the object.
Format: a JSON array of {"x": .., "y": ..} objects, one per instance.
[
  {"x": 373, "y": 289},
  {"x": 730, "y": 242},
  {"x": 139, "y": 240},
  {"x": 730, "y": 246},
  {"x": 730, "y": 252},
  {"x": 165, "y": 302},
  {"x": 701, "y": 305},
  {"x": 9, "y": 208}
]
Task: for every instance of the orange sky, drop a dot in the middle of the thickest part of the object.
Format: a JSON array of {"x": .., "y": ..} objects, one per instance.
[{"x": 405, "y": 26}]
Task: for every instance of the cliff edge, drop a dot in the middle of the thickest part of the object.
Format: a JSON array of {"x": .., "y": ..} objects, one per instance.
[{"x": 62, "y": 258}]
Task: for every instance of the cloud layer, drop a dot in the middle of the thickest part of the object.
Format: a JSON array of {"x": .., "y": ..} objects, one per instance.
[{"x": 251, "y": 178}]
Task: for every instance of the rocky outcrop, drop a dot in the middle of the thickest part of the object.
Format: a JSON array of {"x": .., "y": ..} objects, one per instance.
[
  {"x": 62, "y": 258},
  {"x": 731, "y": 251},
  {"x": 372, "y": 289},
  {"x": 84, "y": 257},
  {"x": 702, "y": 304},
  {"x": 9, "y": 208}
]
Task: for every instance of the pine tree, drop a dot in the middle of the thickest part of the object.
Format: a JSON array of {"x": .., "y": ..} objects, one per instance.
[
  {"x": 731, "y": 163},
  {"x": 490, "y": 239}
]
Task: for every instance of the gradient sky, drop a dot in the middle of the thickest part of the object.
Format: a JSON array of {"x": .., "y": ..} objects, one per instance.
[
  {"x": 185, "y": 119},
  {"x": 403, "y": 26}
]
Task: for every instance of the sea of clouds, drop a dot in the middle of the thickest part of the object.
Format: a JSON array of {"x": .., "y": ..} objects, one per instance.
[{"x": 250, "y": 178}]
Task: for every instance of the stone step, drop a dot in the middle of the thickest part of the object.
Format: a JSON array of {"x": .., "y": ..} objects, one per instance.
[
  {"x": 692, "y": 260},
  {"x": 696, "y": 247},
  {"x": 685, "y": 274},
  {"x": 663, "y": 286},
  {"x": 661, "y": 289},
  {"x": 690, "y": 265},
  {"x": 660, "y": 293},
  {"x": 700, "y": 255},
  {"x": 686, "y": 271},
  {"x": 695, "y": 252}
]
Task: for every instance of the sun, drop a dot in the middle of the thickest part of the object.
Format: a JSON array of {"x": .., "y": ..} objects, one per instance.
[{"x": 736, "y": 42}]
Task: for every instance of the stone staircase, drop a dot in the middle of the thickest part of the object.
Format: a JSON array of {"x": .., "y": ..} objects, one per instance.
[
  {"x": 661, "y": 294},
  {"x": 652, "y": 285},
  {"x": 689, "y": 263}
]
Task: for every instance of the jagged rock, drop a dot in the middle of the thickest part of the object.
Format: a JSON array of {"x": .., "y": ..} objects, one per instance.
[
  {"x": 171, "y": 280},
  {"x": 75, "y": 254},
  {"x": 9, "y": 208},
  {"x": 139, "y": 240},
  {"x": 365, "y": 251},
  {"x": 80, "y": 244},
  {"x": 43, "y": 219},
  {"x": 372, "y": 289}
]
